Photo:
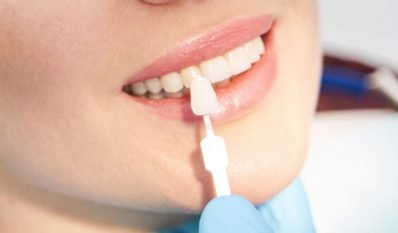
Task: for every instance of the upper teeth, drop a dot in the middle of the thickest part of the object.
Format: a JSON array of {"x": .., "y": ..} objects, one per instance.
[{"x": 218, "y": 70}]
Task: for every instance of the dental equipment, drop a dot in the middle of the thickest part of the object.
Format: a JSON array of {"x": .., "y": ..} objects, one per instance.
[
  {"x": 358, "y": 80},
  {"x": 203, "y": 103},
  {"x": 384, "y": 80}
]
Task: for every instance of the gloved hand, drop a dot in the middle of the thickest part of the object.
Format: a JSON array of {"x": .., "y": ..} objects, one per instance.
[{"x": 287, "y": 212}]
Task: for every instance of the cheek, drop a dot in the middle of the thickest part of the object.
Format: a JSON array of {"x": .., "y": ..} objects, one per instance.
[
  {"x": 300, "y": 58},
  {"x": 45, "y": 83},
  {"x": 60, "y": 125},
  {"x": 47, "y": 70},
  {"x": 273, "y": 148},
  {"x": 53, "y": 44}
]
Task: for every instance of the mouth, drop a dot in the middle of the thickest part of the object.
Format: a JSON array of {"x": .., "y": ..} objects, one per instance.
[{"x": 237, "y": 57}]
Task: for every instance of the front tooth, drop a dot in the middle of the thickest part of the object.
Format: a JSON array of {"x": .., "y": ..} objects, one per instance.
[
  {"x": 188, "y": 74},
  {"x": 251, "y": 51},
  {"x": 238, "y": 60},
  {"x": 139, "y": 88},
  {"x": 153, "y": 85},
  {"x": 172, "y": 82},
  {"x": 258, "y": 45},
  {"x": 216, "y": 69}
]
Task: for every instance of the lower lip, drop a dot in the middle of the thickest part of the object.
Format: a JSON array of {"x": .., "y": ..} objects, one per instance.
[{"x": 237, "y": 99}]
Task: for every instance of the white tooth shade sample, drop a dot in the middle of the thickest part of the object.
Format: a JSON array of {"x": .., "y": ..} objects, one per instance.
[
  {"x": 172, "y": 82},
  {"x": 216, "y": 69},
  {"x": 203, "y": 97}
]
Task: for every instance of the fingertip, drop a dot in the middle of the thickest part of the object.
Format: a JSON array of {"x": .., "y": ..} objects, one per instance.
[{"x": 231, "y": 214}]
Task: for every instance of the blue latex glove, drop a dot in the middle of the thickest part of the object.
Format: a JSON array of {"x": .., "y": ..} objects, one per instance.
[
  {"x": 232, "y": 214},
  {"x": 287, "y": 212}
]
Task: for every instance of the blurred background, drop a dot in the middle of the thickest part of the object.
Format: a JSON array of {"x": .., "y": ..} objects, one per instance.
[
  {"x": 365, "y": 29},
  {"x": 352, "y": 171}
]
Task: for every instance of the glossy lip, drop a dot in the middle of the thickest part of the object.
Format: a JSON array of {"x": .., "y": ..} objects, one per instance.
[{"x": 238, "y": 97}]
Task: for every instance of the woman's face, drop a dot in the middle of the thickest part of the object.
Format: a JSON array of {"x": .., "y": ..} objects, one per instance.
[{"x": 67, "y": 124}]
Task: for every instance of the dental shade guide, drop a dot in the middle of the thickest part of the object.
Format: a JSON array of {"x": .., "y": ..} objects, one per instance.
[{"x": 203, "y": 103}]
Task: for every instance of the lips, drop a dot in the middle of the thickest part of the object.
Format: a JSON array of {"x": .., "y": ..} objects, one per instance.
[{"x": 237, "y": 97}]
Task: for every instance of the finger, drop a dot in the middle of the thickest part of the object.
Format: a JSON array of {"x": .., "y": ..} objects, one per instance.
[
  {"x": 289, "y": 211},
  {"x": 232, "y": 214}
]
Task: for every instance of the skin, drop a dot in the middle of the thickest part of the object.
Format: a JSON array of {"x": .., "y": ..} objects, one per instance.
[{"x": 75, "y": 156}]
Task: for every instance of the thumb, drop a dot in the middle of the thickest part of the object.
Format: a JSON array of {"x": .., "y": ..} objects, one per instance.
[{"x": 230, "y": 214}]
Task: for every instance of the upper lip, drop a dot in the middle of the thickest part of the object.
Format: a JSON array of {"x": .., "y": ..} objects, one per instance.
[{"x": 212, "y": 43}]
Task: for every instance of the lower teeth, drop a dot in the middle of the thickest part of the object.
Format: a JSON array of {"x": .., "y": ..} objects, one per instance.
[{"x": 163, "y": 94}]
